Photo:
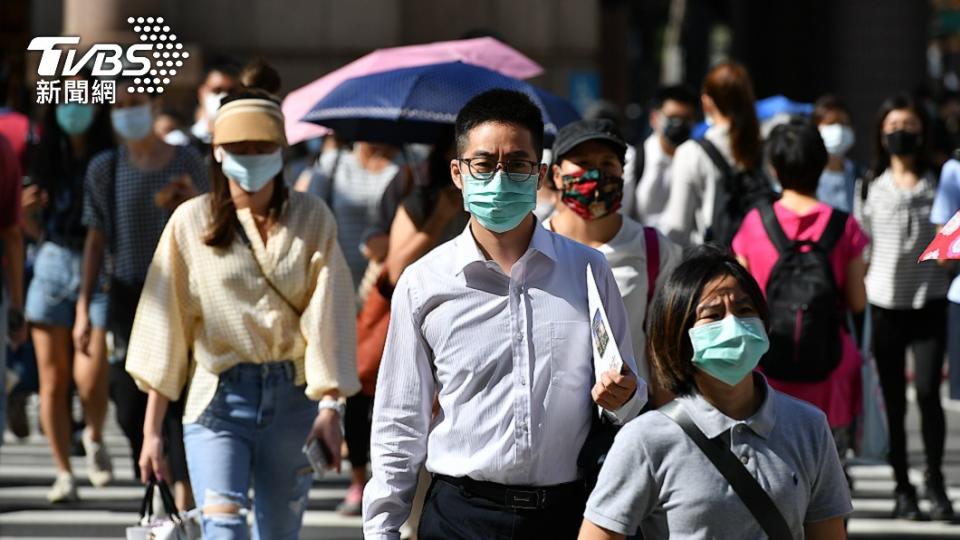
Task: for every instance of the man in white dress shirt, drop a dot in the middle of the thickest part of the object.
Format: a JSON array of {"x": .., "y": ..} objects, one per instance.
[{"x": 495, "y": 324}]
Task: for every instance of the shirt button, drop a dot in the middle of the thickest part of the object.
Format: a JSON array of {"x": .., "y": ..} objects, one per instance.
[
  {"x": 523, "y": 382},
  {"x": 744, "y": 459},
  {"x": 520, "y": 337}
]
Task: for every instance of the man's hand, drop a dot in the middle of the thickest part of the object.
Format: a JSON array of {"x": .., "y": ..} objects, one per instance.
[
  {"x": 614, "y": 389},
  {"x": 18, "y": 328},
  {"x": 176, "y": 191}
]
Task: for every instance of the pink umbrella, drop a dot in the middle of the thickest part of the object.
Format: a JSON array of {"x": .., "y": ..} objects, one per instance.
[
  {"x": 484, "y": 52},
  {"x": 946, "y": 244}
]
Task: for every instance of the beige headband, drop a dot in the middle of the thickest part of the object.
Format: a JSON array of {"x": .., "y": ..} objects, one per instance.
[{"x": 249, "y": 120}]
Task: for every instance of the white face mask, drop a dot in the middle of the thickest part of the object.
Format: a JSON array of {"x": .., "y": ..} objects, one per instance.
[
  {"x": 838, "y": 139},
  {"x": 211, "y": 103}
]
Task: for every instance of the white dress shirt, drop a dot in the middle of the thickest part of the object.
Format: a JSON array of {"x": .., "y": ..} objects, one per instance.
[
  {"x": 653, "y": 189},
  {"x": 510, "y": 358}
]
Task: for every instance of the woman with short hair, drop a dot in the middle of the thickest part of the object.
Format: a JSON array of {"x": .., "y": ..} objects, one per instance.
[{"x": 707, "y": 334}]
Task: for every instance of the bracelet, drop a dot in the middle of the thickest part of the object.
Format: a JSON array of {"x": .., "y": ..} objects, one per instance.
[{"x": 332, "y": 405}]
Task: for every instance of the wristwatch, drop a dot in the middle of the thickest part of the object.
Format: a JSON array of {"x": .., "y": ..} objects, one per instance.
[{"x": 333, "y": 405}]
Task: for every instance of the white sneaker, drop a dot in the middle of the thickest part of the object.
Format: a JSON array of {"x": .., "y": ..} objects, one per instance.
[
  {"x": 99, "y": 466},
  {"x": 64, "y": 489}
]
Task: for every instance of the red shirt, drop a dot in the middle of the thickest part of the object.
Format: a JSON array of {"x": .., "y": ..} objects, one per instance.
[
  {"x": 15, "y": 127},
  {"x": 11, "y": 181}
]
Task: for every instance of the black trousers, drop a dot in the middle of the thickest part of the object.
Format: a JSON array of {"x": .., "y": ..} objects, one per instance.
[
  {"x": 924, "y": 332},
  {"x": 449, "y": 513},
  {"x": 357, "y": 423},
  {"x": 131, "y": 407}
]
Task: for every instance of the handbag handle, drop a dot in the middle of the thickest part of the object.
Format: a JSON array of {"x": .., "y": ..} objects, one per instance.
[
  {"x": 169, "y": 505},
  {"x": 756, "y": 500}
]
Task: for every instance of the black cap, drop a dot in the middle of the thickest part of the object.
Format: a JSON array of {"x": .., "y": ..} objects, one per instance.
[{"x": 581, "y": 131}]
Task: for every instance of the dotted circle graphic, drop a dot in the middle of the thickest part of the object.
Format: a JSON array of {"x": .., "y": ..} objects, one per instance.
[{"x": 167, "y": 54}]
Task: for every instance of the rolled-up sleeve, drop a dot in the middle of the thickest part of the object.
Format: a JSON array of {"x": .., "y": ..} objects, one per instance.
[
  {"x": 401, "y": 418},
  {"x": 328, "y": 324},
  {"x": 167, "y": 314}
]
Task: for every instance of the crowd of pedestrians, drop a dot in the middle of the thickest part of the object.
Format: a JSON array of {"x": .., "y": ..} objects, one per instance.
[{"x": 255, "y": 315}]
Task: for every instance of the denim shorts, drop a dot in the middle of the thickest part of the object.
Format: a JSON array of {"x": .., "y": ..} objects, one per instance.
[{"x": 55, "y": 287}]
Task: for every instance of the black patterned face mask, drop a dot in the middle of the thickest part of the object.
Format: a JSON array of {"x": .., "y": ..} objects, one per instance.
[{"x": 592, "y": 194}]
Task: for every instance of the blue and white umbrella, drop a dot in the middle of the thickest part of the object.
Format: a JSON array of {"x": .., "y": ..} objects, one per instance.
[{"x": 420, "y": 104}]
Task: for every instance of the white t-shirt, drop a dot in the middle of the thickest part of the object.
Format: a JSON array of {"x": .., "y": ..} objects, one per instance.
[
  {"x": 653, "y": 189},
  {"x": 627, "y": 255}
]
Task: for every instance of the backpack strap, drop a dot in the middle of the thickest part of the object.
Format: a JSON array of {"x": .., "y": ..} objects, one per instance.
[
  {"x": 835, "y": 227},
  {"x": 716, "y": 157},
  {"x": 756, "y": 500},
  {"x": 653, "y": 259},
  {"x": 774, "y": 231}
]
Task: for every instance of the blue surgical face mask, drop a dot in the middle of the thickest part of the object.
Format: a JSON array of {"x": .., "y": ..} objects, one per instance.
[
  {"x": 730, "y": 349},
  {"x": 132, "y": 123},
  {"x": 501, "y": 203},
  {"x": 251, "y": 171},
  {"x": 74, "y": 118}
]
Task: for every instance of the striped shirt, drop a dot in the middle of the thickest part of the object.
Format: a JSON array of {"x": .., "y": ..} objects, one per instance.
[
  {"x": 898, "y": 222},
  {"x": 215, "y": 303},
  {"x": 355, "y": 200},
  {"x": 510, "y": 358}
]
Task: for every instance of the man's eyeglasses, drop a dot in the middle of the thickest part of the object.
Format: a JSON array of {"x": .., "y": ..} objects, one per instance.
[{"x": 483, "y": 168}]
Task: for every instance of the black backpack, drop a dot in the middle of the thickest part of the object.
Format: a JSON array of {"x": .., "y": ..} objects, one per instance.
[
  {"x": 805, "y": 307},
  {"x": 738, "y": 192}
]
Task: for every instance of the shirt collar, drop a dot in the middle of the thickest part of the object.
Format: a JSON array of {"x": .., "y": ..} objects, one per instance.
[
  {"x": 713, "y": 422},
  {"x": 468, "y": 252}
]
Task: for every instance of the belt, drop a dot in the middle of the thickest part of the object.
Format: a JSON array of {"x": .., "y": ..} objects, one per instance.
[{"x": 516, "y": 497}]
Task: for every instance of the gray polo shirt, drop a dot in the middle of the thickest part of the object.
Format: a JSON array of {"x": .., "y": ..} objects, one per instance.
[{"x": 657, "y": 479}]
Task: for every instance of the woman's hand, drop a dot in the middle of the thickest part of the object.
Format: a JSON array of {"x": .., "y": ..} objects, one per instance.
[
  {"x": 327, "y": 429},
  {"x": 152, "y": 463},
  {"x": 81, "y": 328}
]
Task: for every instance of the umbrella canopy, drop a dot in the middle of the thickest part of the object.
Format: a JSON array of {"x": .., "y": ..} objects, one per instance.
[
  {"x": 946, "y": 245},
  {"x": 418, "y": 104},
  {"x": 768, "y": 109},
  {"x": 486, "y": 52}
]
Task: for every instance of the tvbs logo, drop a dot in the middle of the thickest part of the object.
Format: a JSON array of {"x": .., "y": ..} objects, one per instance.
[{"x": 151, "y": 63}]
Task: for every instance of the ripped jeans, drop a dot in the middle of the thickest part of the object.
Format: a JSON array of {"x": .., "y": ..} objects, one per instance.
[{"x": 252, "y": 432}]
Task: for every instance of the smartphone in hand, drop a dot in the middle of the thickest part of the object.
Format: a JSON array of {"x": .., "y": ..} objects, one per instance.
[{"x": 318, "y": 455}]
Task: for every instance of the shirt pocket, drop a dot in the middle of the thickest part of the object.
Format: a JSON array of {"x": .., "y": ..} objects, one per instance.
[{"x": 571, "y": 356}]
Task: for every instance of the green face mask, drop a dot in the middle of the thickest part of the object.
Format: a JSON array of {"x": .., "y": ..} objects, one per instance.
[
  {"x": 74, "y": 118},
  {"x": 501, "y": 203},
  {"x": 729, "y": 349}
]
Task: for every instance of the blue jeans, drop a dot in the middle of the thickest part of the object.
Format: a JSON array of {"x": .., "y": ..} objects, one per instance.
[
  {"x": 51, "y": 297},
  {"x": 252, "y": 431}
]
